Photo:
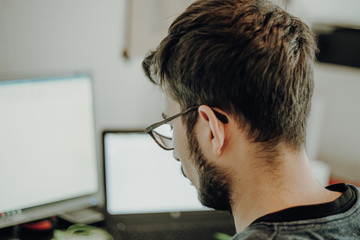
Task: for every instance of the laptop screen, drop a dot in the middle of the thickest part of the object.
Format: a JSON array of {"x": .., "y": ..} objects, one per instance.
[{"x": 143, "y": 178}]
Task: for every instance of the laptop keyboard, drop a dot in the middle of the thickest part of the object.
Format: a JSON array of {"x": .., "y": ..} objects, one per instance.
[
  {"x": 174, "y": 232},
  {"x": 189, "y": 235}
]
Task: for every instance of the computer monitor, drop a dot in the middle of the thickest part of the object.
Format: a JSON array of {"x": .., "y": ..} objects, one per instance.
[
  {"x": 131, "y": 156},
  {"x": 48, "y": 158}
]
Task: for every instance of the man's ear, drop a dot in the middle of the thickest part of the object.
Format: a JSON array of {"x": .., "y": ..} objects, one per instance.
[{"x": 216, "y": 128}]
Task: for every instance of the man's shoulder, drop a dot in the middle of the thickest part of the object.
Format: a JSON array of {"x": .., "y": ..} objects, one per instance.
[
  {"x": 330, "y": 227},
  {"x": 348, "y": 228},
  {"x": 254, "y": 233},
  {"x": 303, "y": 231}
]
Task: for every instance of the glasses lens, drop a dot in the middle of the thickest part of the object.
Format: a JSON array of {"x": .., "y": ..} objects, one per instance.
[{"x": 163, "y": 135}]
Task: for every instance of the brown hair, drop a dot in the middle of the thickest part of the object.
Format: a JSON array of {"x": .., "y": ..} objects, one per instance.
[{"x": 249, "y": 58}]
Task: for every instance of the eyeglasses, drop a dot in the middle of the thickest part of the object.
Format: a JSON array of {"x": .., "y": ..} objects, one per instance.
[{"x": 162, "y": 132}]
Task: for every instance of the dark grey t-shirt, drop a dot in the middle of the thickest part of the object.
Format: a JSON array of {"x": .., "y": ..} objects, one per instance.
[{"x": 339, "y": 219}]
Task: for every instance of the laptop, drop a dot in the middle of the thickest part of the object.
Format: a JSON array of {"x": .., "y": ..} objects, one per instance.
[{"x": 147, "y": 197}]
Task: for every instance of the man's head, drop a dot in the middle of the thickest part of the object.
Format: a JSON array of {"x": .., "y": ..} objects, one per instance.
[{"x": 247, "y": 58}]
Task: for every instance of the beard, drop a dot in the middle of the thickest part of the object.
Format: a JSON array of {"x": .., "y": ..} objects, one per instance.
[{"x": 214, "y": 184}]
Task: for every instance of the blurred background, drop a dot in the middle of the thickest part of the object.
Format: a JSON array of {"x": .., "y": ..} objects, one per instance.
[{"x": 109, "y": 39}]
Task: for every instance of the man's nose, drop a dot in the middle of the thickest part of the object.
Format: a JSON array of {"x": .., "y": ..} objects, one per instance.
[{"x": 175, "y": 156}]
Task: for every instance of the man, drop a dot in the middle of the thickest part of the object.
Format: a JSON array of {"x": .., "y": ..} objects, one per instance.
[{"x": 237, "y": 79}]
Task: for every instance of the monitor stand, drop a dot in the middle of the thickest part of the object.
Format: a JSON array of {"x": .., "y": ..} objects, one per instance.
[{"x": 83, "y": 216}]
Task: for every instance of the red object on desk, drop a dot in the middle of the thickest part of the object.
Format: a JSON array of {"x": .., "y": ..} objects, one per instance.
[{"x": 38, "y": 226}]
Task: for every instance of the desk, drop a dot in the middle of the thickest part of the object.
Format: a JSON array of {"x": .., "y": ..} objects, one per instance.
[{"x": 21, "y": 233}]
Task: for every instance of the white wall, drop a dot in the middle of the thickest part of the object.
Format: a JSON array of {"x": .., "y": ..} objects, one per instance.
[
  {"x": 59, "y": 37},
  {"x": 336, "y": 124},
  {"x": 345, "y": 12}
]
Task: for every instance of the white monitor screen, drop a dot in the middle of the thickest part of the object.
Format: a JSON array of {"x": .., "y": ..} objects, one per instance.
[
  {"x": 47, "y": 141},
  {"x": 143, "y": 178}
]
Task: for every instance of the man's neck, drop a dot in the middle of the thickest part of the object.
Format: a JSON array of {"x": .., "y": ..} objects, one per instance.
[{"x": 257, "y": 191}]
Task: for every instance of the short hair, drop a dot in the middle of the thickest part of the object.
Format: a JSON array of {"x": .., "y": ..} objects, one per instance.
[{"x": 249, "y": 58}]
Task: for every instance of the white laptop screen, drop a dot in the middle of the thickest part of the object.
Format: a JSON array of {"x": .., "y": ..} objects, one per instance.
[{"x": 143, "y": 178}]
